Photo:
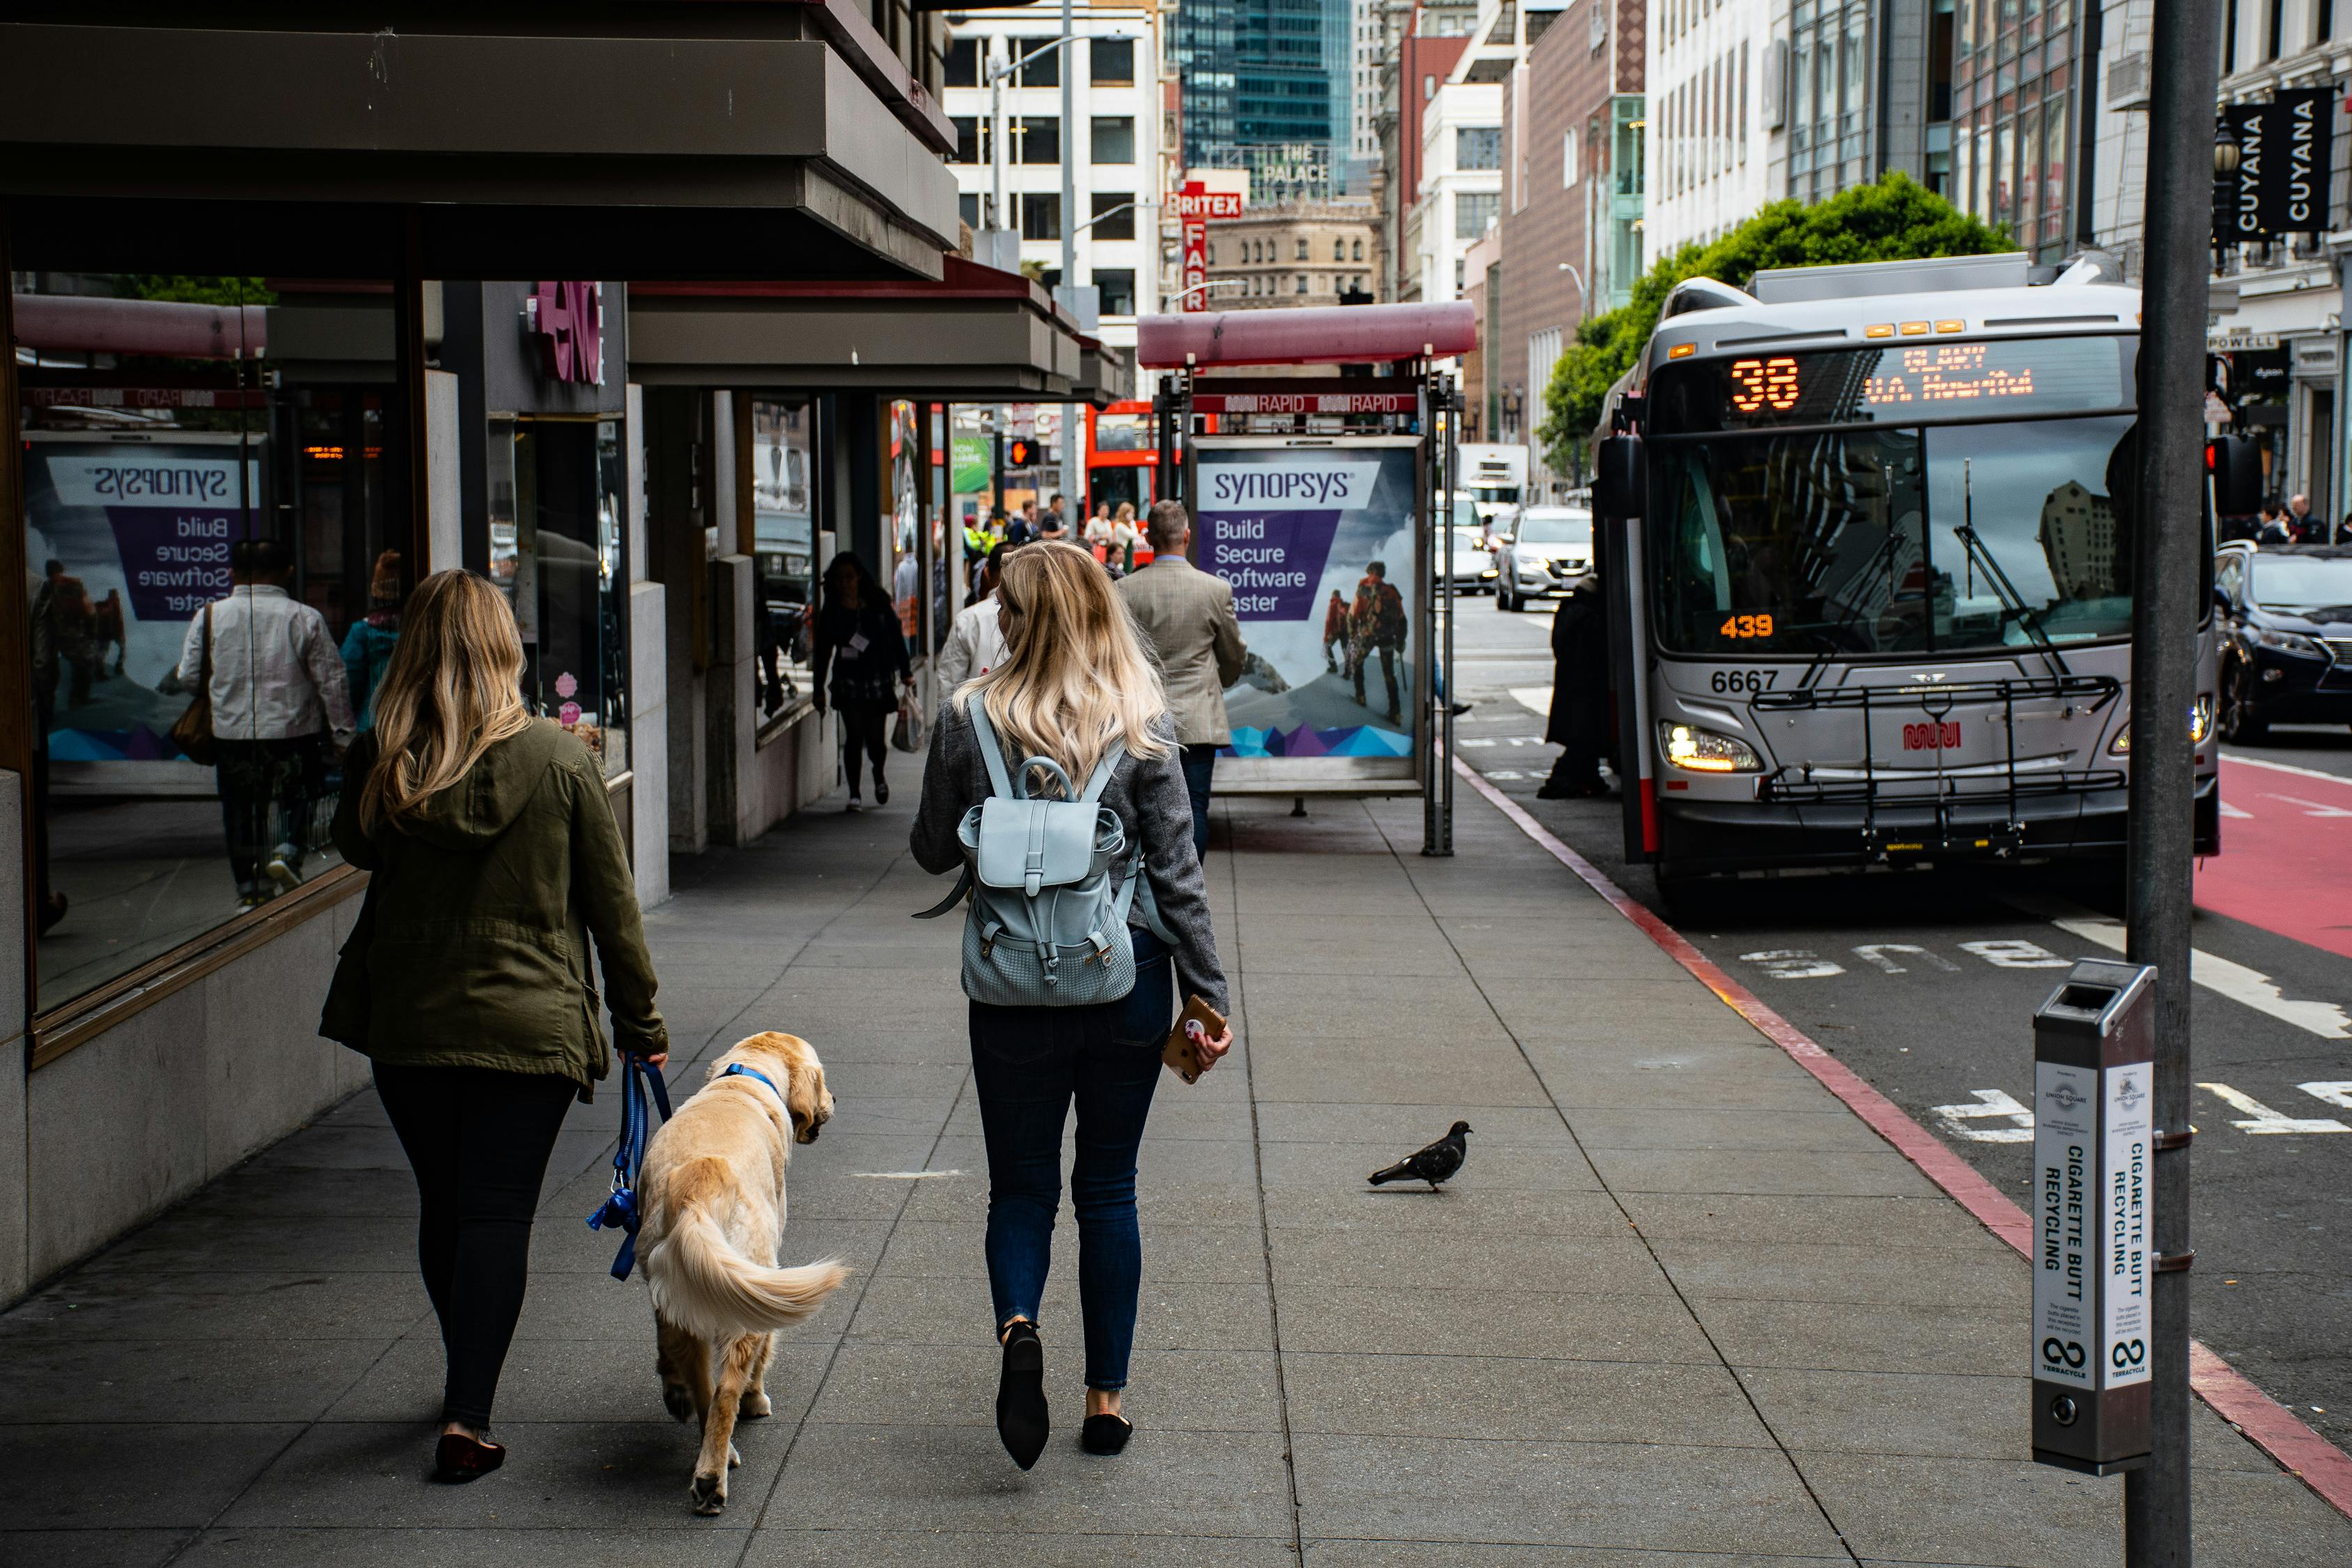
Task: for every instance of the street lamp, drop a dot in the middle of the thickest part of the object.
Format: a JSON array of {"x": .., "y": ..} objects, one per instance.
[
  {"x": 1584, "y": 300},
  {"x": 997, "y": 75}
]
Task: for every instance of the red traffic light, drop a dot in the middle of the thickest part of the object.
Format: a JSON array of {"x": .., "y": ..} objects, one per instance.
[
  {"x": 2234, "y": 464},
  {"x": 1020, "y": 452}
]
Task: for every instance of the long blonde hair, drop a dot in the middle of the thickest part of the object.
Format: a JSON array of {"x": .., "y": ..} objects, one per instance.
[
  {"x": 1074, "y": 676},
  {"x": 451, "y": 691}
]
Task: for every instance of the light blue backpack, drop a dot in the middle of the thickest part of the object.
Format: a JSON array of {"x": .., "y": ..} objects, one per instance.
[{"x": 1044, "y": 929}]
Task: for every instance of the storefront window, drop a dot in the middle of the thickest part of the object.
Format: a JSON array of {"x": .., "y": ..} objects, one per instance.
[
  {"x": 557, "y": 527},
  {"x": 783, "y": 513},
  {"x": 207, "y": 461}
]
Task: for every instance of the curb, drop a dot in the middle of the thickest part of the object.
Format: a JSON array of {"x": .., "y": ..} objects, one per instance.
[{"x": 2263, "y": 1421}]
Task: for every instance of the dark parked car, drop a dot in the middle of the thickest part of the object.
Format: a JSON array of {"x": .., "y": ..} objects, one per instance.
[{"x": 2286, "y": 649}]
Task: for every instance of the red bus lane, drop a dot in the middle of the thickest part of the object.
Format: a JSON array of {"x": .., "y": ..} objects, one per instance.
[{"x": 2287, "y": 852}]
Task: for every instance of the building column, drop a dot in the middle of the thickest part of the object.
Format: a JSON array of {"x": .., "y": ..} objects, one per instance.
[
  {"x": 677, "y": 557},
  {"x": 649, "y": 684}
]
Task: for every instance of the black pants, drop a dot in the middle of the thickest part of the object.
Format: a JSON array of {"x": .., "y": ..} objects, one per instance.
[
  {"x": 478, "y": 1141},
  {"x": 256, "y": 778},
  {"x": 867, "y": 721}
]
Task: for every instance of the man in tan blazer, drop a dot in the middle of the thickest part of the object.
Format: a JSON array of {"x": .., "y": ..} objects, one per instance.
[{"x": 1186, "y": 616}]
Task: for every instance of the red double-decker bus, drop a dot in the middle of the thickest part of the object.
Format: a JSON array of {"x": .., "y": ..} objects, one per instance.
[{"x": 1121, "y": 454}]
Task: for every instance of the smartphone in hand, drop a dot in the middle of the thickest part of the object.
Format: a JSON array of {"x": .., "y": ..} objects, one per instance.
[{"x": 1178, "y": 1054}]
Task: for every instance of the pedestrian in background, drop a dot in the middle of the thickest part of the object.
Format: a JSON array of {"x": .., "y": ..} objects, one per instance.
[
  {"x": 1124, "y": 536},
  {"x": 367, "y": 647},
  {"x": 860, "y": 658},
  {"x": 1186, "y": 616},
  {"x": 975, "y": 642},
  {"x": 1074, "y": 680},
  {"x": 1579, "y": 693},
  {"x": 280, "y": 699},
  {"x": 494, "y": 860},
  {"x": 2299, "y": 521}
]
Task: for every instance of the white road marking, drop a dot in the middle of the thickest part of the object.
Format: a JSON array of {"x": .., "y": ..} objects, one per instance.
[
  {"x": 2312, "y": 807},
  {"x": 2234, "y": 980},
  {"x": 1875, "y": 954},
  {"x": 1505, "y": 774},
  {"x": 2285, "y": 768},
  {"x": 1484, "y": 740},
  {"x": 1994, "y": 1103},
  {"x": 2228, "y": 810},
  {"x": 2011, "y": 953},
  {"x": 2336, "y": 1093},
  {"x": 1533, "y": 698},
  {"x": 1792, "y": 964},
  {"x": 2262, "y": 1118},
  {"x": 904, "y": 1176}
]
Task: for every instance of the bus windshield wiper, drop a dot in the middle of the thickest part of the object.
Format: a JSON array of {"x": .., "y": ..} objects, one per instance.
[{"x": 2012, "y": 602}]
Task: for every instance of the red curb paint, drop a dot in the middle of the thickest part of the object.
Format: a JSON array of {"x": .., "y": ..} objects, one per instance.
[{"x": 2270, "y": 1425}]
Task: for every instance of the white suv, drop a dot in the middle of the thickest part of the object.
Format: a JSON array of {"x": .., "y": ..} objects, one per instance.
[{"x": 1539, "y": 553}]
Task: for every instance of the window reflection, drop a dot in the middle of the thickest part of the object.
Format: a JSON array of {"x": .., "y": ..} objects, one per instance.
[
  {"x": 173, "y": 489},
  {"x": 783, "y": 517}
]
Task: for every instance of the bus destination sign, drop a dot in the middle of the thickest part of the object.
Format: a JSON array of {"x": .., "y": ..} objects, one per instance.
[{"x": 1898, "y": 384}]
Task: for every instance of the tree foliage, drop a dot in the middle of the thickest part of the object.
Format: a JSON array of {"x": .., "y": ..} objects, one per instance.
[
  {"x": 1896, "y": 219},
  {"x": 193, "y": 291}
]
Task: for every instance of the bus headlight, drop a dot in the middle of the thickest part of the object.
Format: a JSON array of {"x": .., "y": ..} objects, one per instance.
[
  {"x": 2200, "y": 724},
  {"x": 1697, "y": 751}
]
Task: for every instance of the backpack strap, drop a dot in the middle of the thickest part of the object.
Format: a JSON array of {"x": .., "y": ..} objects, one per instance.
[
  {"x": 1102, "y": 770},
  {"x": 992, "y": 750}
]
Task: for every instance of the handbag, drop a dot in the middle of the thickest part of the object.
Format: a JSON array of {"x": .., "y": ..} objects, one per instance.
[
  {"x": 191, "y": 732},
  {"x": 906, "y": 732}
]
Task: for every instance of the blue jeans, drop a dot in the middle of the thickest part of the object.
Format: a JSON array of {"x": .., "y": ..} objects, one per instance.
[
  {"x": 1200, "y": 766},
  {"x": 1028, "y": 1064}
]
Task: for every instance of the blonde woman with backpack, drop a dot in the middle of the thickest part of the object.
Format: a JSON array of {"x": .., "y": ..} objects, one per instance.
[{"x": 1075, "y": 690}]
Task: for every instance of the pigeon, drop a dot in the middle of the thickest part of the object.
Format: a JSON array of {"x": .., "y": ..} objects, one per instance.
[{"x": 1434, "y": 1165}]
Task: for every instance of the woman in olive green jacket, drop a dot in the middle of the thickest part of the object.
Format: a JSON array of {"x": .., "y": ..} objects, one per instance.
[{"x": 494, "y": 859}]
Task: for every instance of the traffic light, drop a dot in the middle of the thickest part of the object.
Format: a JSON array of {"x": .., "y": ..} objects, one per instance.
[
  {"x": 1021, "y": 453},
  {"x": 2234, "y": 464}
]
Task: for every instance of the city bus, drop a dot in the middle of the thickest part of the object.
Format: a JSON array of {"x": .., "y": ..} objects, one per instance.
[
  {"x": 1122, "y": 454},
  {"x": 1865, "y": 534}
]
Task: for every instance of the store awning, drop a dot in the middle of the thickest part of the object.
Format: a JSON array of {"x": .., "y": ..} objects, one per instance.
[
  {"x": 646, "y": 143},
  {"x": 976, "y": 335}
]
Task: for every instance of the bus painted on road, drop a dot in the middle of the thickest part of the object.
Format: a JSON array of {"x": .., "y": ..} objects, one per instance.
[{"x": 1866, "y": 532}]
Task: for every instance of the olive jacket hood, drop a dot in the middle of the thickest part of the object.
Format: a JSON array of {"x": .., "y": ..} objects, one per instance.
[{"x": 472, "y": 948}]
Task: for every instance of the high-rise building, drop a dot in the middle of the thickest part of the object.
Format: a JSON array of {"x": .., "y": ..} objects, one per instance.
[
  {"x": 1011, "y": 138},
  {"x": 1266, "y": 88}
]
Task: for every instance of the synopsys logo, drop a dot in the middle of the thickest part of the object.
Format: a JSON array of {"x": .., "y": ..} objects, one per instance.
[
  {"x": 1317, "y": 485},
  {"x": 160, "y": 479}
]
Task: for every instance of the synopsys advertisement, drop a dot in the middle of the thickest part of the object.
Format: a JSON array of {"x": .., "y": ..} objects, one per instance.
[
  {"x": 1317, "y": 542},
  {"x": 126, "y": 544}
]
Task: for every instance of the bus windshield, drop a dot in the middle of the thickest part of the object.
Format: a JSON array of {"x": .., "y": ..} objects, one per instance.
[{"x": 1892, "y": 540}]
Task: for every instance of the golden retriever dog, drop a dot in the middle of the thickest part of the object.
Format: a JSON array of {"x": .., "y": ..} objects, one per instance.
[{"x": 712, "y": 1194}]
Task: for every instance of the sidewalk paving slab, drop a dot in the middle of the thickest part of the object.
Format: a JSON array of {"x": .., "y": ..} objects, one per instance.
[{"x": 1680, "y": 1309}]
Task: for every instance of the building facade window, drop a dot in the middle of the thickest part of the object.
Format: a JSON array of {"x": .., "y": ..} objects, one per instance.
[
  {"x": 1479, "y": 147},
  {"x": 1037, "y": 139},
  {"x": 1474, "y": 211},
  {"x": 1041, "y": 216},
  {"x": 1114, "y": 217},
  {"x": 1114, "y": 139},
  {"x": 1302, "y": 247},
  {"x": 1042, "y": 70},
  {"x": 970, "y": 135},
  {"x": 961, "y": 67},
  {"x": 1302, "y": 283},
  {"x": 1117, "y": 286},
  {"x": 1111, "y": 62}
]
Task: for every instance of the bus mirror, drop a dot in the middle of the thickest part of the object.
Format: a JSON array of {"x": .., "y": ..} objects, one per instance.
[
  {"x": 1618, "y": 479},
  {"x": 2234, "y": 463}
]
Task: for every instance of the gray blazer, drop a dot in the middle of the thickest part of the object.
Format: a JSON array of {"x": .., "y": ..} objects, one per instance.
[
  {"x": 1152, "y": 805},
  {"x": 1186, "y": 616}
]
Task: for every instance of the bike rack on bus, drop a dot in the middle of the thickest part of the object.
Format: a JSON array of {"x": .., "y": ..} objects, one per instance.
[{"x": 1935, "y": 700}]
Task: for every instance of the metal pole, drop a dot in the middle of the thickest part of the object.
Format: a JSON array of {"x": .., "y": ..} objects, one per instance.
[
  {"x": 1074, "y": 473},
  {"x": 2168, "y": 534}
]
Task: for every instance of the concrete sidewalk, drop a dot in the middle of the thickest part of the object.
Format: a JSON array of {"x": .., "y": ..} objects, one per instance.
[{"x": 1681, "y": 1307}]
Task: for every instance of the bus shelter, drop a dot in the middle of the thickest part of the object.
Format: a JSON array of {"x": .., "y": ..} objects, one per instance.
[{"x": 1314, "y": 451}]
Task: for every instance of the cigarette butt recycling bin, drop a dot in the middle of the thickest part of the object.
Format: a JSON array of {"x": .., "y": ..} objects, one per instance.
[{"x": 2093, "y": 1254}]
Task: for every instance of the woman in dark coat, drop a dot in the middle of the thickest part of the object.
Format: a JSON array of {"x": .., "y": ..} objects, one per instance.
[
  {"x": 859, "y": 641},
  {"x": 1579, "y": 693},
  {"x": 494, "y": 860}
]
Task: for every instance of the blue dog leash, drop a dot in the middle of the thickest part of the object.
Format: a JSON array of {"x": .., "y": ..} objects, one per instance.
[{"x": 620, "y": 1208}]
